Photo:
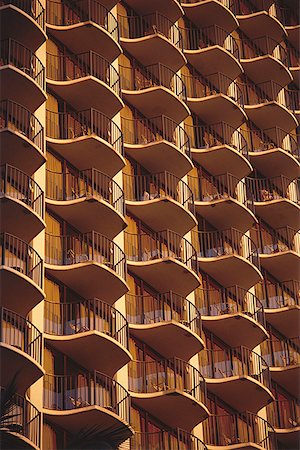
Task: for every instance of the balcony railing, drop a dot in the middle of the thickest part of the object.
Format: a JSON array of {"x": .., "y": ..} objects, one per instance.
[
  {"x": 232, "y": 300},
  {"x": 23, "y": 418},
  {"x": 136, "y": 78},
  {"x": 143, "y": 131},
  {"x": 293, "y": 56},
  {"x": 281, "y": 352},
  {"x": 148, "y": 309},
  {"x": 66, "y": 14},
  {"x": 33, "y": 8},
  {"x": 276, "y": 241},
  {"x": 268, "y": 91},
  {"x": 16, "y": 118},
  {"x": 20, "y": 256},
  {"x": 230, "y": 429},
  {"x": 66, "y": 68},
  {"x": 147, "y": 377},
  {"x": 67, "y": 319},
  {"x": 85, "y": 247},
  {"x": 86, "y": 183},
  {"x": 196, "y": 38},
  {"x": 234, "y": 362},
  {"x": 294, "y": 100},
  {"x": 206, "y": 136},
  {"x": 18, "y": 185},
  {"x": 259, "y": 140},
  {"x": 261, "y": 46},
  {"x": 18, "y": 332},
  {"x": 164, "y": 244},
  {"x": 274, "y": 188},
  {"x": 15, "y": 54},
  {"x": 281, "y": 295},
  {"x": 134, "y": 27},
  {"x": 168, "y": 440},
  {"x": 284, "y": 414},
  {"x": 72, "y": 125},
  {"x": 69, "y": 392},
  {"x": 140, "y": 188}
]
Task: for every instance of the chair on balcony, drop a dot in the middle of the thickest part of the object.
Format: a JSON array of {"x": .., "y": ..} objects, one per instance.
[{"x": 78, "y": 403}]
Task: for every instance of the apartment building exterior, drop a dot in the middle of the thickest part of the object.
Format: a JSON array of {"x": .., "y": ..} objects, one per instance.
[{"x": 149, "y": 213}]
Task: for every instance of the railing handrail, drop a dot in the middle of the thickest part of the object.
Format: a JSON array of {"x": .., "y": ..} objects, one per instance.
[
  {"x": 284, "y": 413},
  {"x": 290, "y": 287},
  {"x": 259, "y": 51},
  {"x": 281, "y": 352},
  {"x": 271, "y": 188},
  {"x": 143, "y": 440},
  {"x": 33, "y": 8},
  {"x": 282, "y": 239},
  {"x": 264, "y": 92},
  {"x": 268, "y": 143}
]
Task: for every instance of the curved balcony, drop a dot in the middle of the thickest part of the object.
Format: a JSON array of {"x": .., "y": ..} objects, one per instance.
[
  {"x": 282, "y": 307},
  {"x": 23, "y": 21},
  {"x": 86, "y": 136},
  {"x": 85, "y": 81},
  {"x": 283, "y": 358},
  {"x": 164, "y": 318},
  {"x": 155, "y": 91},
  {"x": 164, "y": 260},
  {"x": 214, "y": 97},
  {"x": 211, "y": 47},
  {"x": 219, "y": 147},
  {"x": 85, "y": 400},
  {"x": 21, "y": 271},
  {"x": 158, "y": 144},
  {"x": 161, "y": 201},
  {"x": 279, "y": 253},
  {"x": 22, "y": 428},
  {"x": 275, "y": 152},
  {"x": 89, "y": 263},
  {"x": 229, "y": 256},
  {"x": 21, "y": 137},
  {"x": 233, "y": 314},
  {"x": 22, "y": 203},
  {"x": 89, "y": 198},
  {"x": 169, "y": 8},
  {"x": 166, "y": 440},
  {"x": 239, "y": 431},
  {"x": 22, "y": 74},
  {"x": 238, "y": 376},
  {"x": 168, "y": 385},
  {"x": 276, "y": 200},
  {"x": 212, "y": 12},
  {"x": 223, "y": 201},
  {"x": 284, "y": 416},
  {"x": 73, "y": 327},
  {"x": 84, "y": 26},
  {"x": 152, "y": 38}
]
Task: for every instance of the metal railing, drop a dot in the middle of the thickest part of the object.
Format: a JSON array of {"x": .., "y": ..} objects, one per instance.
[
  {"x": 146, "y": 377},
  {"x": 281, "y": 295},
  {"x": 218, "y": 134},
  {"x": 66, "y": 319},
  {"x": 284, "y": 414},
  {"x": 168, "y": 440},
  {"x": 140, "y": 188},
  {"x": 276, "y": 241},
  {"x": 20, "y": 256},
  {"x": 86, "y": 183},
  {"x": 69, "y": 392},
  {"x": 137, "y": 77},
  {"x": 67, "y": 67},
  {"x": 281, "y": 352},
  {"x": 15, "y": 54},
  {"x": 273, "y": 188},
  {"x": 134, "y": 27},
  {"x": 260, "y": 140},
  {"x": 90, "y": 122},
  {"x": 261, "y": 46},
  {"x": 23, "y": 418},
  {"x": 294, "y": 99},
  {"x": 18, "y": 185},
  {"x": 164, "y": 244},
  {"x": 33, "y": 8},
  {"x": 231, "y": 300},
  {"x": 20, "y": 333},
  {"x": 66, "y": 14},
  {"x": 148, "y": 309},
  {"x": 293, "y": 55},
  {"x": 85, "y": 247},
  {"x": 268, "y": 91},
  {"x": 234, "y": 362},
  {"x": 230, "y": 429},
  {"x": 18, "y": 119},
  {"x": 142, "y": 131}
]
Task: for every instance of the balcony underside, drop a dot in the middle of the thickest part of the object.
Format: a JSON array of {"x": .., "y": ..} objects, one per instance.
[
  {"x": 295, "y": 71},
  {"x": 90, "y": 213},
  {"x": 168, "y": 8},
  {"x": 17, "y": 440},
  {"x": 90, "y": 280},
  {"x": 166, "y": 275},
  {"x": 275, "y": 162},
  {"x": 279, "y": 212},
  {"x": 18, "y": 218},
  {"x": 210, "y": 12},
  {"x": 163, "y": 213},
  {"x": 101, "y": 348},
  {"x": 270, "y": 114},
  {"x": 253, "y": 24},
  {"x": 286, "y": 319},
  {"x": 287, "y": 377},
  {"x": 282, "y": 265},
  {"x": 258, "y": 70},
  {"x": 293, "y": 35},
  {"x": 185, "y": 343},
  {"x": 288, "y": 437},
  {"x": 160, "y": 156},
  {"x": 89, "y": 150}
]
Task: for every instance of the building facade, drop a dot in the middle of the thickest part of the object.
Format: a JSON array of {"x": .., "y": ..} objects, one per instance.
[{"x": 149, "y": 205}]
